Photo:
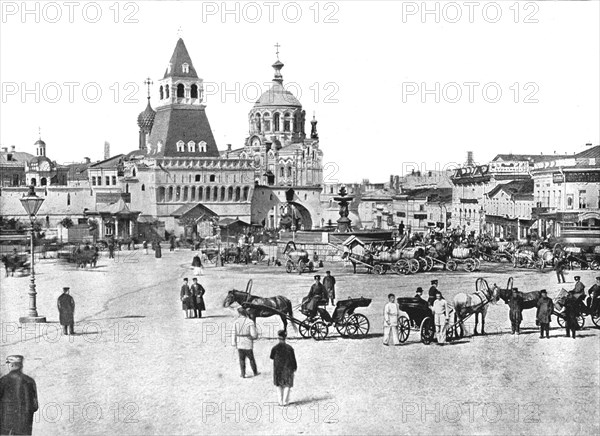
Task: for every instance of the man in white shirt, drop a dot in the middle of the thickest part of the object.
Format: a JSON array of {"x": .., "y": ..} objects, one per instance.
[
  {"x": 391, "y": 313},
  {"x": 244, "y": 334},
  {"x": 440, "y": 317}
]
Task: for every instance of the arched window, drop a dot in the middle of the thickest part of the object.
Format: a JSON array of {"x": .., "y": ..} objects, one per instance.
[
  {"x": 276, "y": 122},
  {"x": 202, "y": 147},
  {"x": 178, "y": 193},
  {"x": 223, "y": 193},
  {"x": 185, "y": 193},
  {"x": 68, "y": 199},
  {"x": 286, "y": 122},
  {"x": 211, "y": 178},
  {"x": 289, "y": 172},
  {"x": 246, "y": 191},
  {"x": 43, "y": 181},
  {"x": 258, "y": 123},
  {"x": 134, "y": 174},
  {"x": 143, "y": 187},
  {"x": 180, "y": 91},
  {"x": 197, "y": 178},
  {"x": 180, "y": 145},
  {"x": 215, "y": 194},
  {"x": 161, "y": 92},
  {"x": 167, "y": 91},
  {"x": 185, "y": 68},
  {"x": 161, "y": 194},
  {"x": 238, "y": 193},
  {"x": 194, "y": 91},
  {"x": 282, "y": 172},
  {"x": 230, "y": 194},
  {"x": 193, "y": 194},
  {"x": 191, "y": 146},
  {"x": 170, "y": 194}
]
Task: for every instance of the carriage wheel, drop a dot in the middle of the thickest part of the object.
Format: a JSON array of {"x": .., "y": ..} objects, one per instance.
[
  {"x": 452, "y": 265},
  {"x": 470, "y": 265},
  {"x": 289, "y": 266},
  {"x": 378, "y": 269},
  {"x": 304, "y": 328},
  {"x": 342, "y": 326},
  {"x": 402, "y": 267},
  {"x": 478, "y": 264},
  {"x": 319, "y": 330},
  {"x": 580, "y": 321},
  {"x": 403, "y": 329},
  {"x": 301, "y": 266},
  {"x": 540, "y": 264},
  {"x": 449, "y": 333},
  {"x": 414, "y": 266},
  {"x": 596, "y": 319},
  {"x": 427, "y": 331},
  {"x": 422, "y": 264},
  {"x": 358, "y": 325},
  {"x": 560, "y": 320},
  {"x": 595, "y": 264},
  {"x": 430, "y": 263}
]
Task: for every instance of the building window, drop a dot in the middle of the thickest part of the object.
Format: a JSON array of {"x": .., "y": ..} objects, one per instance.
[
  {"x": 170, "y": 194},
  {"x": 222, "y": 193},
  {"x": 180, "y": 91},
  {"x": 193, "y": 194},
  {"x": 202, "y": 147},
  {"x": 230, "y": 194},
  {"x": 238, "y": 192},
  {"x": 197, "y": 178},
  {"x": 215, "y": 194},
  {"x": 161, "y": 92},
  {"x": 107, "y": 180},
  {"x": 185, "y": 193},
  {"x": 570, "y": 201},
  {"x": 185, "y": 68},
  {"x": 161, "y": 194},
  {"x": 191, "y": 146},
  {"x": 200, "y": 193},
  {"x": 246, "y": 192},
  {"x": 194, "y": 91},
  {"x": 180, "y": 145},
  {"x": 167, "y": 91},
  {"x": 276, "y": 122},
  {"x": 211, "y": 178},
  {"x": 582, "y": 200},
  {"x": 93, "y": 181},
  {"x": 114, "y": 180},
  {"x": 178, "y": 193}
]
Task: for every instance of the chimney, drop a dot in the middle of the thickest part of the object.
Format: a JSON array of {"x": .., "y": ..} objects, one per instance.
[
  {"x": 470, "y": 161},
  {"x": 106, "y": 150},
  {"x": 13, "y": 148},
  {"x": 228, "y": 147},
  {"x": 86, "y": 160}
]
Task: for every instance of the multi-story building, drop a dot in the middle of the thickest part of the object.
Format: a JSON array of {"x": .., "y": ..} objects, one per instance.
[{"x": 508, "y": 209}]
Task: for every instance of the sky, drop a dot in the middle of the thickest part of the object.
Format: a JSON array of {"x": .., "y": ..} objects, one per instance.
[{"x": 394, "y": 85}]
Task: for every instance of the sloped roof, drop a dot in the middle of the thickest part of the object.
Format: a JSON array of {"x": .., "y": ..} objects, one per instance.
[
  {"x": 118, "y": 208},
  {"x": 524, "y": 157},
  {"x": 18, "y": 158},
  {"x": 228, "y": 222},
  {"x": 277, "y": 96},
  {"x": 194, "y": 210},
  {"x": 516, "y": 187},
  {"x": 590, "y": 153},
  {"x": 180, "y": 56},
  {"x": 77, "y": 171},
  {"x": 111, "y": 162}
]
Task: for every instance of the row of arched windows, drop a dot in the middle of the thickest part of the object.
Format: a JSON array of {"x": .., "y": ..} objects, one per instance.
[
  {"x": 180, "y": 90},
  {"x": 209, "y": 193},
  {"x": 278, "y": 123}
]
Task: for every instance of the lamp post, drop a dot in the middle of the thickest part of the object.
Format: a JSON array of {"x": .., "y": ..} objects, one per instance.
[{"x": 32, "y": 203}]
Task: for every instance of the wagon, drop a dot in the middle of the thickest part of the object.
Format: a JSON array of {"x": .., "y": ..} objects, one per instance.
[
  {"x": 297, "y": 260},
  {"x": 420, "y": 319},
  {"x": 348, "y": 323}
]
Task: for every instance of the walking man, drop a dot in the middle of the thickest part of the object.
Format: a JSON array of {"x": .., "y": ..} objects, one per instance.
[
  {"x": 545, "y": 306},
  {"x": 244, "y": 334},
  {"x": 66, "y": 312},
  {"x": 433, "y": 290},
  {"x": 391, "y": 313},
  {"x": 571, "y": 312},
  {"x": 111, "y": 250},
  {"x": 18, "y": 399},
  {"x": 441, "y": 315},
  {"x": 197, "y": 291},
  {"x": 329, "y": 283},
  {"x": 515, "y": 314},
  {"x": 559, "y": 267},
  {"x": 284, "y": 367},
  {"x": 145, "y": 246},
  {"x": 187, "y": 299},
  {"x": 157, "y": 249}
]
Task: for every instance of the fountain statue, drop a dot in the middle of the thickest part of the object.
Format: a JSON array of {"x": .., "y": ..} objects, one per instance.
[{"x": 344, "y": 223}]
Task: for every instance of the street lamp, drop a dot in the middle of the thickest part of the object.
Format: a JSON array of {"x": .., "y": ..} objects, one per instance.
[{"x": 32, "y": 203}]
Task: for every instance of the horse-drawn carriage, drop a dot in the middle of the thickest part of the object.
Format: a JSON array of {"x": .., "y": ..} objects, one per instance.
[
  {"x": 348, "y": 323},
  {"x": 297, "y": 260},
  {"x": 80, "y": 257},
  {"x": 420, "y": 318},
  {"x": 16, "y": 263},
  {"x": 465, "y": 256}
]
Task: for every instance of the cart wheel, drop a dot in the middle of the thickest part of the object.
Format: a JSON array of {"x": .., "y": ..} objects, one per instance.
[
  {"x": 358, "y": 325},
  {"x": 478, "y": 264},
  {"x": 378, "y": 269},
  {"x": 430, "y": 263},
  {"x": 560, "y": 320},
  {"x": 427, "y": 331},
  {"x": 540, "y": 264},
  {"x": 470, "y": 265},
  {"x": 422, "y": 264},
  {"x": 301, "y": 266},
  {"x": 414, "y": 266},
  {"x": 403, "y": 329},
  {"x": 402, "y": 267},
  {"x": 319, "y": 330},
  {"x": 580, "y": 321},
  {"x": 595, "y": 264},
  {"x": 449, "y": 333},
  {"x": 289, "y": 266},
  {"x": 451, "y": 265},
  {"x": 596, "y": 319},
  {"x": 303, "y": 329}
]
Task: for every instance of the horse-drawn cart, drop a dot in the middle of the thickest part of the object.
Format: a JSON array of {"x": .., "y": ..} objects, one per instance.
[
  {"x": 297, "y": 260},
  {"x": 348, "y": 323},
  {"x": 420, "y": 319}
]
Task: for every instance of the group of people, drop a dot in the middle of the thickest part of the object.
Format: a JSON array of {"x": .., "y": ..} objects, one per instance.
[
  {"x": 320, "y": 294},
  {"x": 192, "y": 298}
]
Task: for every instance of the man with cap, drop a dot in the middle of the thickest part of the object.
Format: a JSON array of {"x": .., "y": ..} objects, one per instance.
[
  {"x": 187, "y": 300},
  {"x": 594, "y": 297},
  {"x": 419, "y": 294},
  {"x": 244, "y": 334},
  {"x": 545, "y": 307},
  {"x": 579, "y": 289},
  {"x": 329, "y": 283},
  {"x": 18, "y": 399},
  {"x": 198, "y": 291},
  {"x": 570, "y": 313},
  {"x": 317, "y": 296},
  {"x": 559, "y": 268},
  {"x": 515, "y": 314},
  {"x": 66, "y": 311},
  {"x": 432, "y": 291}
]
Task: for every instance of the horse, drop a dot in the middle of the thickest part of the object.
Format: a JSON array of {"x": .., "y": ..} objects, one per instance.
[
  {"x": 12, "y": 263},
  {"x": 367, "y": 258},
  {"x": 476, "y": 303},
  {"x": 279, "y": 303}
]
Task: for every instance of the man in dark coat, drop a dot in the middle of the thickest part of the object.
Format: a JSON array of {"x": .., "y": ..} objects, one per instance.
[
  {"x": 66, "y": 312},
  {"x": 187, "y": 299},
  {"x": 545, "y": 307},
  {"x": 18, "y": 399},
  {"x": 197, "y": 291},
  {"x": 284, "y": 367},
  {"x": 579, "y": 289},
  {"x": 594, "y": 296},
  {"x": 559, "y": 267},
  {"x": 432, "y": 291},
  {"x": 571, "y": 311},
  {"x": 401, "y": 228},
  {"x": 317, "y": 296},
  {"x": 157, "y": 250},
  {"x": 515, "y": 305},
  {"x": 329, "y": 283}
]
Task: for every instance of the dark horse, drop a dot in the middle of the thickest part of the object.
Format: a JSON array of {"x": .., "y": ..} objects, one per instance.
[{"x": 279, "y": 303}]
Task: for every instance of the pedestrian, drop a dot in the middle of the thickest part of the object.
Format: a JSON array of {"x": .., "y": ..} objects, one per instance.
[
  {"x": 570, "y": 314},
  {"x": 187, "y": 300},
  {"x": 559, "y": 267},
  {"x": 391, "y": 313},
  {"x": 18, "y": 399},
  {"x": 432, "y": 291},
  {"x": 172, "y": 243},
  {"x": 111, "y": 250},
  {"x": 419, "y": 294},
  {"x": 244, "y": 334},
  {"x": 545, "y": 307},
  {"x": 329, "y": 283},
  {"x": 157, "y": 250},
  {"x": 197, "y": 265},
  {"x": 198, "y": 291},
  {"x": 579, "y": 289},
  {"x": 515, "y": 314},
  {"x": 66, "y": 312},
  {"x": 284, "y": 367},
  {"x": 594, "y": 297},
  {"x": 401, "y": 228},
  {"x": 145, "y": 247},
  {"x": 441, "y": 317}
]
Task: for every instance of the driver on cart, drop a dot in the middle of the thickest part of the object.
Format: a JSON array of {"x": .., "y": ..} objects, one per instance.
[{"x": 317, "y": 296}]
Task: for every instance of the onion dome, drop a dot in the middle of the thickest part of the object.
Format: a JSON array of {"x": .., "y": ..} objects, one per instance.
[
  {"x": 146, "y": 118},
  {"x": 277, "y": 95},
  {"x": 40, "y": 142}
]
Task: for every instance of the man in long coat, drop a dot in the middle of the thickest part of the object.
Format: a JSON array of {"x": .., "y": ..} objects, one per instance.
[
  {"x": 515, "y": 304},
  {"x": 545, "y": 307},
  {"x": 571, "y": 311},
  {"x": 157, "y": 250},
  {"x": 317, "y": 296},
  {"x": 198, "y": 291},
  {"x": 187, "y": 299},
  {"x": 329, "y": 283},
  {"x": 66, "y": 311},
  {"x": 594, "y": 296},
  {"x": 18, "y": 399},
  {"x": 432, "y": 291},
  {"x": 391, "y": 313}
]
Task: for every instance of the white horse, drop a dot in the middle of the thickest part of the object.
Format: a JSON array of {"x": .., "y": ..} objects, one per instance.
[{"x": 476, "y": 303}]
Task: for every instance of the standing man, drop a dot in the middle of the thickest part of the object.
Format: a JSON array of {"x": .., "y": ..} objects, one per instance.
[
  {"x": 197, "y": 265},
  {"x": 571, "y": 312},
  {"x": 432, "y": 292},
  {"x": 66, "y": 312},
  {"x": 244, "y": 334},
  {"x": 197, "y": 291},
  {"x": 559, "y": 267},
  {"x": 579, "y": 289},
  {"x": 187, "y": 299},
  {"x": 440, "y": 317},
  {"x": 401, "y": 229},
  {"x": 391, "y": 313},
  {"x": 111, "y": 249},
  {"x": 157, "y": 249},
  {"x": 329, "y": 283},
  {"x": 317, "y": 296},
  {"x": 284, "y": 367},
  {"x": 419, "y": 294},
  {"x": 515, "y": 314},
  {"x": 545, "y": 307},
  {"x": 594, "y": 297},
  {"x": 18, "y": 399}
]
